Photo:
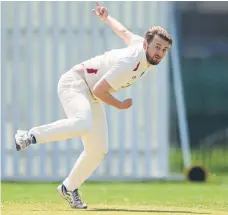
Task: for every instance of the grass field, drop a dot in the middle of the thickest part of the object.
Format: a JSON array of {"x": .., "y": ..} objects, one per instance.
[{"x": 119, "y": 198}]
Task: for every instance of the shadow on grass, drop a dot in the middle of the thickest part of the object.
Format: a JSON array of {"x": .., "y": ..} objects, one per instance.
[
  {"x": 129, "y": 210},
  {"x": 141, "y": 211}
]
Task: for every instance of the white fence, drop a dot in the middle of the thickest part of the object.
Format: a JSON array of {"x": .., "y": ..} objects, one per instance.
[{"x": 40, "y": 41}]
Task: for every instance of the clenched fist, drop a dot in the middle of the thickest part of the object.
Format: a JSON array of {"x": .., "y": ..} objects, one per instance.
[
  {"x": 127, "y": 103},
  {"x": 101, "y": 12}
]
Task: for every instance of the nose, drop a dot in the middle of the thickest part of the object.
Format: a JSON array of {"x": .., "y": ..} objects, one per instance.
[{"x": 160, "y": 54}]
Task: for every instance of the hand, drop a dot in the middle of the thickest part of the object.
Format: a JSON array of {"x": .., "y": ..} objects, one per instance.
[
  {"x": 127, "y": 103},
  {"x": 101, "y": 12}
]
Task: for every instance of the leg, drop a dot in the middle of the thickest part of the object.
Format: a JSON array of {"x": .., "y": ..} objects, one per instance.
[
  {"x": 95, "y": 148},
  {"x": 75, "y": 101},
  {"x": 74, "y": 96}
]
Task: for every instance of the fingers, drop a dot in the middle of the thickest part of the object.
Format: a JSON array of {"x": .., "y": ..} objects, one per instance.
[
  {"x": 94, "y": 11},
  {"x": 100, "y": 11},
  {"x": 98, "y": 4},
  {"x": 97, "y": 10},
  {"x": 103, "y": 9}
]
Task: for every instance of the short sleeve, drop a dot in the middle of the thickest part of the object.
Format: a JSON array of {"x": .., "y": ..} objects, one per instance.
[
  {"x": 135, "y": 39},
  {"x": 120, "y": 73}
]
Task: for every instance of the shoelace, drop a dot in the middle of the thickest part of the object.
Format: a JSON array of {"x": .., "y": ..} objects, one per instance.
[{"x": 76, "y": 197}]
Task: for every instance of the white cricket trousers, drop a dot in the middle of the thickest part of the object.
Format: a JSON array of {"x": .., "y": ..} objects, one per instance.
[{"x": 86, "y": 118}]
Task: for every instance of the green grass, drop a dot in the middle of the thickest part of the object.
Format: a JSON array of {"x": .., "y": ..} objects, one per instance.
[
  {"x": 119, "y": 198},
  {"x": 214, "y": 159}
]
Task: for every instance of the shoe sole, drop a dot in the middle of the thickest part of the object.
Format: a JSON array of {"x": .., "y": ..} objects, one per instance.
[
  {"x": 18, "y": 147},
  {"x": 64, "y": 197},
  {"x": 61, "y": 194}
]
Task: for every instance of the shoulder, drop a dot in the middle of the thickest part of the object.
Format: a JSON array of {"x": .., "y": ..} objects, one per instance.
[
  {"x": 128, "y": 62},
  {"x": 135, "y": 39},
  {"x": 132, "y": 52}
]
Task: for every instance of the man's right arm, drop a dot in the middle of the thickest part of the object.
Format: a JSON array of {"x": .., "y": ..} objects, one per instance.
[
  {"x": 102, "y": 13},
  {"x": 119, "y": 29}
]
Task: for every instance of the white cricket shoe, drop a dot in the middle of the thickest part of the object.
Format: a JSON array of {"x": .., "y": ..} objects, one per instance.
[
  {"x": 73, "y": 198},
  {"x": 23, "y": 139}
]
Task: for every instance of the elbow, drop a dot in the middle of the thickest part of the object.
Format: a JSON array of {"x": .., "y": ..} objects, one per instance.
[
  {"x": 97, "y": 92},
  {"x": 101, "y": 89}
]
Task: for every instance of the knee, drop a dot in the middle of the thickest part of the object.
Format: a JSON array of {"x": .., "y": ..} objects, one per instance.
[
  {"x": 100, "y": 154},
  {"x": 85, "y": 123}
]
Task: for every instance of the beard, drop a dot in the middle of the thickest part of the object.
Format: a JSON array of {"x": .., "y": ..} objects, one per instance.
[{"x": 151, "y": 60}]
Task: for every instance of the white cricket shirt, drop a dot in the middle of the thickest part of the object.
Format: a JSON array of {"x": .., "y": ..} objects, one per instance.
[{"x": 119, "y": 67}]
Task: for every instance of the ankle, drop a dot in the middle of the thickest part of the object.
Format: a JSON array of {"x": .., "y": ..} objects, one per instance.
[{"x": 33, "y": 138}]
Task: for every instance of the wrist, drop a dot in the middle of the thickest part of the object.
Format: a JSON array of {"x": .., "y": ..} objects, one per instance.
[
  {"x": 118, "y": 105},
  {"x": 106, "y": 21}
]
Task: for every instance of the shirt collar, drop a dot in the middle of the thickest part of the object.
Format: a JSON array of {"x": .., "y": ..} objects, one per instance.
[{"x": 143, "y": 57}]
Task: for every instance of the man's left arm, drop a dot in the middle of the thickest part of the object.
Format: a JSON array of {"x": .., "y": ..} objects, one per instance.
[{"x": 117, "y": 76}]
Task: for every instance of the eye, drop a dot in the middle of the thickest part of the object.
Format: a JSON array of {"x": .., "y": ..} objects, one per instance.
[{"x": 158, "y": 47}]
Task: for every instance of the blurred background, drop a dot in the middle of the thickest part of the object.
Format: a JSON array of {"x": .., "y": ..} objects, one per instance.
[
  {"x": 203, "y": 42},
  {"x": 180, "y": 113}
]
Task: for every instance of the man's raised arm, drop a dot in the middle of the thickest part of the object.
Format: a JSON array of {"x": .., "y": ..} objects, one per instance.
[{"x": 102, "y": 13}]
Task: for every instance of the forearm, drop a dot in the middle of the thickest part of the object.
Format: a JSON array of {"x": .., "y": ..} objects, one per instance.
[
  {"x": 107, "y": 98},
  {"x": 119, "y": 29}
]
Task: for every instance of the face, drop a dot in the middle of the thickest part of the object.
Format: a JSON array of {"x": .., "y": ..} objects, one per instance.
[{"x": 156, "y": 50}]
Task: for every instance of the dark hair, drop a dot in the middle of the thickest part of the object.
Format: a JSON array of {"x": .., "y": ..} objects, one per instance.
[{"x": 161, "y": 32}]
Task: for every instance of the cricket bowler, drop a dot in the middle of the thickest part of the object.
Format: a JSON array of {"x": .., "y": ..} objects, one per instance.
[{"x": 83, "y": 91}]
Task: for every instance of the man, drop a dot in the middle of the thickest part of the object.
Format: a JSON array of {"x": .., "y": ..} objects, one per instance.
[{"x": 84, "y": 88}]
